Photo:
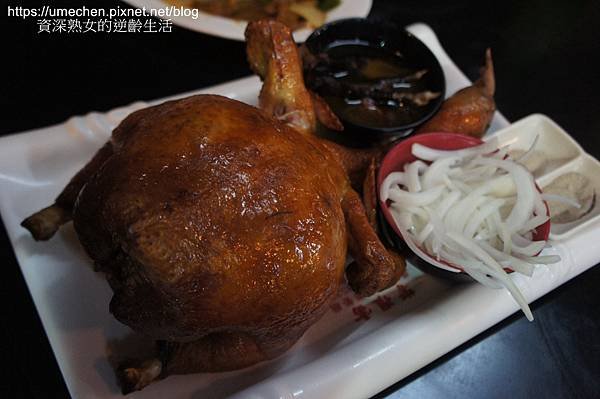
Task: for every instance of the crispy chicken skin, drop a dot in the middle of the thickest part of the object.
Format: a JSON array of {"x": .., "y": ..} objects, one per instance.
[
  {"x": 220, "y": 231},
  {"x": 208, "y": 215}
]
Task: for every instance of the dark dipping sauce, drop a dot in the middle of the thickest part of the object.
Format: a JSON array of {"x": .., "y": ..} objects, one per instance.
[{"x": 371, "y": 86}]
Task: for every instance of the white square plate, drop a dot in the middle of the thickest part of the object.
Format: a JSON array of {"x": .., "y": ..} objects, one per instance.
[{"x": 231, "y": 29}]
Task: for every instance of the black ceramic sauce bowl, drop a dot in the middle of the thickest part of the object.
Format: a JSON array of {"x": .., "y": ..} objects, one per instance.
[{"x": 389, "y": 38}]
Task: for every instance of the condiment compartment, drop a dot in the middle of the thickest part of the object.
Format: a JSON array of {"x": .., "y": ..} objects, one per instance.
[
  {"x": 555, "y": 154},
  {"x": 554, "y": 147},
  {"x": 588, "y": 167}
]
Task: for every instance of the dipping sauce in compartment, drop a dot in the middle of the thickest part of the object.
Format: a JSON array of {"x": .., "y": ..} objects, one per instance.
[
  {"x": 572, "y": 195},
  {"x": 373, "y": 77},
  {"x": 575, "y": 187}
]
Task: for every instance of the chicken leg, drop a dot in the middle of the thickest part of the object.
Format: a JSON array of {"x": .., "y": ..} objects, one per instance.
[
  {"x": 212, "y": 353},
  {"x": 44, "y": 223}
]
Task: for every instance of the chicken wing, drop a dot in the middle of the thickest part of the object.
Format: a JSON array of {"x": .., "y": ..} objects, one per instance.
[{"x": 470, "y": 110}]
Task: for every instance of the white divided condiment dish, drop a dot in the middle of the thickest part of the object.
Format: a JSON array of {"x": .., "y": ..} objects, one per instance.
[{"x": 561, "y": 155}]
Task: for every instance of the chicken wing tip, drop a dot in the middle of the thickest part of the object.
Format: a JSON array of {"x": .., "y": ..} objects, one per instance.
[
  {"x": 488, "y": 80},
  {"x": 45, "y": 223}
]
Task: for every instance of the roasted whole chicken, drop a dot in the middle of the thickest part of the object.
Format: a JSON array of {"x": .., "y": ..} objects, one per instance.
[{"x": 223, "y": 229}]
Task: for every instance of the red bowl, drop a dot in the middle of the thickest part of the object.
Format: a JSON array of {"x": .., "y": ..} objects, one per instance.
[{"x": 401, "y": 154}]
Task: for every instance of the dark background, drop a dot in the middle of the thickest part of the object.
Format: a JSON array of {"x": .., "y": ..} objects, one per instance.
[{"x": 546, "y": 60}]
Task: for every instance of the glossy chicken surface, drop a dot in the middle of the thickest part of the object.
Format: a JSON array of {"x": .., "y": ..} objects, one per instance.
[
  {"x": 215, "y": 224},
  {"x": 221, "y": 228}
]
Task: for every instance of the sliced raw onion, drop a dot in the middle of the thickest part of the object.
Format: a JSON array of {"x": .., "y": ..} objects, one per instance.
[
  {"x": 473, "y": 208},
  {"x": 431, "y": 154}
]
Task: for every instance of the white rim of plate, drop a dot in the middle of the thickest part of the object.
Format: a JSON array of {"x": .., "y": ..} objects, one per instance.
[{"x": 234, "y": 30}]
